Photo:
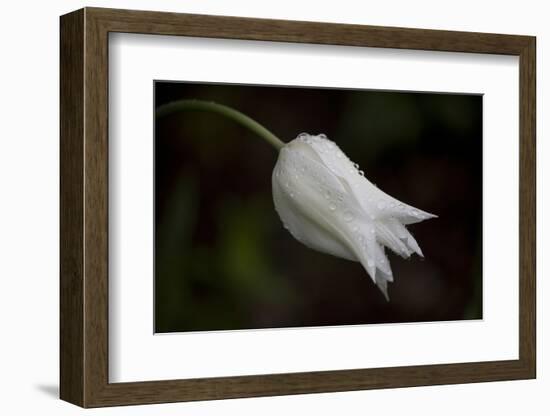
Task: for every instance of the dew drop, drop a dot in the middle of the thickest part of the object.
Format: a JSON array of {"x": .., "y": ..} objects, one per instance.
[
  {"x": 381, "y": 205},
  {"x": 415, "y": 212},
  {"x": 332, "y": 207},
  {"x": 303, "y": 136},
  {"x": 356, "y": 166},
  {"x": 348, "y": 216},
  {"x": 361, "y": 173},
  {"x": 322, "y": 136},
  {"x": 326, "y": 194}
]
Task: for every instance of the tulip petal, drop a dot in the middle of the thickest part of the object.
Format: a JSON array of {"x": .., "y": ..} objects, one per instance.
[
  {"x": 382, "y": 263},
  {"x": 300, "y": 190},
  {"x": 381, "y": 205},
  {"x": 304, "y": 229},
  {"x": 371, "y": 197},
  {"x": 383, "y": 286},
  {"x": 318, "y": 210}
]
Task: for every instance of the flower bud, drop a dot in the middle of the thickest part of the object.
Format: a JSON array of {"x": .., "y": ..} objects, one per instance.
[{"x": 327, "y": 204}]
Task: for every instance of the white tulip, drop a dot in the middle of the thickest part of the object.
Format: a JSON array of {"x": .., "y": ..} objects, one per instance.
[{"x": 328, "y": 205}]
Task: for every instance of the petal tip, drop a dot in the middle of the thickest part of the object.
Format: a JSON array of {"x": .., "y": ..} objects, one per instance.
[{"x": 384, "y": 289}]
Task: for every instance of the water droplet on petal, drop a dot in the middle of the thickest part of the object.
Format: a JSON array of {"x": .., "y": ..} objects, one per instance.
[
  {"x": 303, "y": 136},
  {"x": 415, "y": 212},
  {"x": 326, "y": 194},
  {"x": 322, "y": 136},
  {"x": 361, "y": 173},
  {"x": 348, "y": 216},
  {"x": 381, "y": 205},
  {"x": 332, "y": 207}
]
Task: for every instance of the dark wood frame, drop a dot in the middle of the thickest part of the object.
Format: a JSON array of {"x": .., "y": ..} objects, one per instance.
[{"x": 84, "y": 213}]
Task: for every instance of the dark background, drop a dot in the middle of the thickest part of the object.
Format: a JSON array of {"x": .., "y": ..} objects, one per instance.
[{"x": 222, "y": 258}]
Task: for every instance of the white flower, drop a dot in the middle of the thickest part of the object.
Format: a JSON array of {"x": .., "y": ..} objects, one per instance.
[{"x": 327, "y": 204}]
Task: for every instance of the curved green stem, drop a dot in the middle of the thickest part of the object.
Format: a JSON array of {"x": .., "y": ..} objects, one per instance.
[{"x": 237, "y": 116}]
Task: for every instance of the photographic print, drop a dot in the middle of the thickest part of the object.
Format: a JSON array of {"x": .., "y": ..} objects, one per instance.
[
  {"x": 346, "y": 192},
  {"x": 284, "y": 206}
]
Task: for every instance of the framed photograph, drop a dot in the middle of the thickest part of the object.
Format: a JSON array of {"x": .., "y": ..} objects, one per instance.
[{"x": 255, "y": 207}]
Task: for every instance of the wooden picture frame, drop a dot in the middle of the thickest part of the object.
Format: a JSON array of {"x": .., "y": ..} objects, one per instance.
[{"x": 84, "y": 207}]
